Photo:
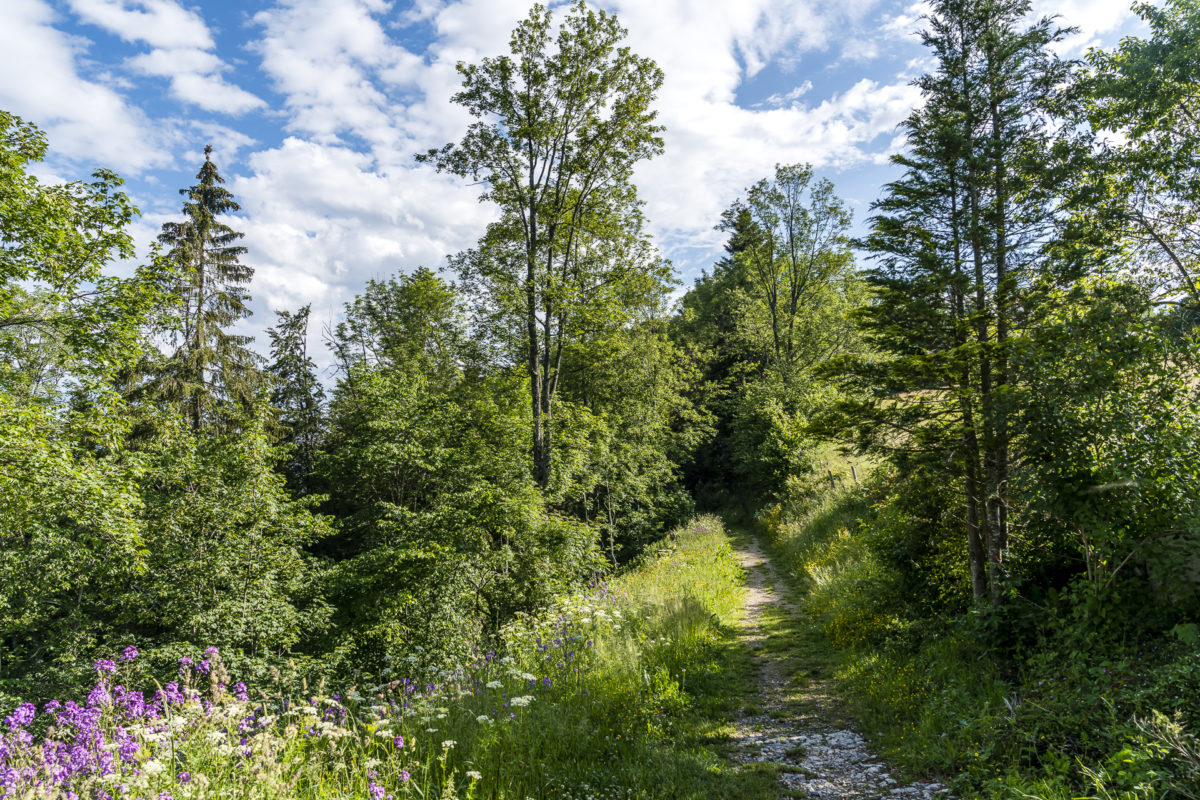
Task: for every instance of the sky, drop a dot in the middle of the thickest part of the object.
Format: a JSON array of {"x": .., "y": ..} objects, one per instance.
[{"x": 316, "y": 107}]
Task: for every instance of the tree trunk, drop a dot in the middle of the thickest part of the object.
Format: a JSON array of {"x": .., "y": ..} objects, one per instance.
[
  {"x": 998, "y": 477},
  {"x": 976, "y": 555}
]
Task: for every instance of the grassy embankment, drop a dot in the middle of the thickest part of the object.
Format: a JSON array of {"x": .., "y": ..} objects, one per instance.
[
  {"x": 623, "y": 691},
  {"x": 943, "y": 691}
]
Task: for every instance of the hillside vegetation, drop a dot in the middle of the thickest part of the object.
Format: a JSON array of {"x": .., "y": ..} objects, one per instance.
[{"x": 452, "y": 564}]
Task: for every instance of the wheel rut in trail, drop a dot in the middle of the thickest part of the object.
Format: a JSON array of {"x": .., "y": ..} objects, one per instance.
[{"x": 797, "y": 724}]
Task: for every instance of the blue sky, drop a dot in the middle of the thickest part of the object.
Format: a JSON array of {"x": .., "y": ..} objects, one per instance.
[{"x": 315, "y": 108}]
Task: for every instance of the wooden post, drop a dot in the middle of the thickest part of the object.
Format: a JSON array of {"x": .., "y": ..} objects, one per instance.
[
  {"x": 854, "y": 473},
  {"x": 832, "y": 482}
]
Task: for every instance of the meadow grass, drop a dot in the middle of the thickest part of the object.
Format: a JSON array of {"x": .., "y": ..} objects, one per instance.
[{"x": 625, "y": 690}]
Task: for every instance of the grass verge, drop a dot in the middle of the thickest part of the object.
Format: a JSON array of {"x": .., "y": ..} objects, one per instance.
[{"x": 1021, "y": 702}]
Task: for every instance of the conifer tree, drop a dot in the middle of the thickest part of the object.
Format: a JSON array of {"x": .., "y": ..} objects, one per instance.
[
  {"x": 210, "y": 365},
  {"x": 297, "y": 395},
  {"x": 964, "y": 243}
]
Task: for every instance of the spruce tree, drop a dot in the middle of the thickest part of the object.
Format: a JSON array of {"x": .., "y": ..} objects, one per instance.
[
  {"x": 964, "y": 243},
  {"x": 210, "y": 365},
  {"x": 297, "y": 395}
]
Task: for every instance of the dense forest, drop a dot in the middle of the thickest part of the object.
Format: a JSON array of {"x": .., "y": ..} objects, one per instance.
[{"x": 1008, "y": 357}]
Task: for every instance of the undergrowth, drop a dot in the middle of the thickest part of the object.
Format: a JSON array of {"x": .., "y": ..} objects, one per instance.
[{"x": 1058, "y": 695}]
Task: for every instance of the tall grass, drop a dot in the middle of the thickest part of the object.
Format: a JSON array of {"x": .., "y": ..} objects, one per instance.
[
  {"x": 936, "y": 693},
  {"x": 616, "y": 692}
]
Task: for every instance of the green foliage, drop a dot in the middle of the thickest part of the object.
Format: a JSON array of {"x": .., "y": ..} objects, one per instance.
[
  {"x": 296, "y": 396},
  {"x": 63, "y": 321},
  {"x": 442, "y": 534},
  {"x": 625, "y": 430},
  {"x": 1144, "y": 185},
  {"x": 71, "y": 528},
  {"x": 560, "y": 127},
  {"x": 770, "y": 313},
  {"x": 1111, "y": 442},
  {"x": 796, "y": 257},
  {"x": 225, "y": 560},
  {"x": 183, "y": 536}
]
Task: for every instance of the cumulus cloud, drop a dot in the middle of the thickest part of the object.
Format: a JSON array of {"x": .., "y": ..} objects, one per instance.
[
  {"x": 321, "y": 218},
  {"x": 181, "y": 51},
  {"x": 335, "y": 64},
  {"x": 86, "y": 121}
]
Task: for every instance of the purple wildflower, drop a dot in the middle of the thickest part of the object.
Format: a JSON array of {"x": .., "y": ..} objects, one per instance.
[
  {"x": 21, "y": 717},
  {"x": 99, "y": 696},
  {"x": 129, "y": 654},
  {"x": 399, "y": 741},
  {"x": 105, "y": 666},
  {"x": 184, "y": 777}
]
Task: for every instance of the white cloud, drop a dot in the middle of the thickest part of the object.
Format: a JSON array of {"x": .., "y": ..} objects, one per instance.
[
  {"x": 788, "y": 98},
  {"x": 908, "y": 23},
  {"x": 159, "y": 23},
  {"x": 1093, "y": 18},
  {"x": 334, "y": 62},
  {"x": 359, "y": 105},
  {"x": 181, "y": 51},
  {"x": 322, "y": 218},
  {"x": 85, "y": 121}
]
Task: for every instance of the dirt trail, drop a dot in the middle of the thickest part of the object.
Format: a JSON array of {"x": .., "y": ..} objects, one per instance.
[{"x": 798, "y": 724}]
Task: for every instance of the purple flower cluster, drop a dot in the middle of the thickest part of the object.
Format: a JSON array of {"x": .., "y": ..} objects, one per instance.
[{"x": 94, "y": 740}]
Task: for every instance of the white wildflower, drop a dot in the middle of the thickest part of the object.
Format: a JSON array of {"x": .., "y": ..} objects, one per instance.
[
  {"x": 473, "y": 775},
  {"x": 154, "y": 767},
  {"x": 449, "y": 744},
  {"x": 495, "y": 685},
  {"x": 484, "y": 718},
  {"x": 371, "y": 763},
  {"x": 521, "y": 701}
]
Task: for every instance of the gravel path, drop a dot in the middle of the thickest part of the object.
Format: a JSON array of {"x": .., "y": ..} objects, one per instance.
[{"x": 797, "y": 726}]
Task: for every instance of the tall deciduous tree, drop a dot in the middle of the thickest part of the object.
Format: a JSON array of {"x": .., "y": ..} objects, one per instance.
[
  {"x": 1147, "y": 90},
  {"x": 799, "y": 252},
  {"x": 560, "y": 126},
  {"x": 61, "y": 316},
  {"x": 210, "y": 365}
]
